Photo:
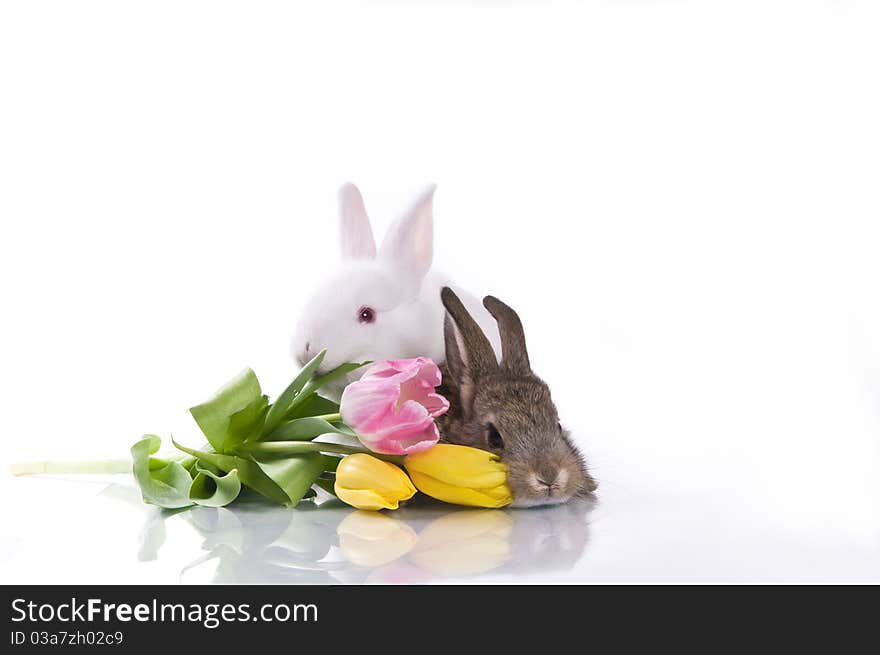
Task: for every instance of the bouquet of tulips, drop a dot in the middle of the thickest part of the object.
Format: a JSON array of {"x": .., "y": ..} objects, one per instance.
[{"x": 385, "y": 445}]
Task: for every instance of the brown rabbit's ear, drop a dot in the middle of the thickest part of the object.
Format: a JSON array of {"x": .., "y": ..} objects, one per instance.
[
  {"x": 455, "y": 365},
  {"x": 514, "y": 355},
  {"x": 468, "y": 352}
]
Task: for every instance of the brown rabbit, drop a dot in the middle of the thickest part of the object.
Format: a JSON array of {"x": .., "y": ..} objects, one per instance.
[{"x": 505, "y": 408}]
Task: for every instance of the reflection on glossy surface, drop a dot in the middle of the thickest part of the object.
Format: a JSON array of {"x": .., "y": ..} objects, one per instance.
[
  {"x": 464, "y": 543},
  {"x": 677, "y": 527},
  {"x": 373, "y": 539},
  {"x": 333, "y": 544}
]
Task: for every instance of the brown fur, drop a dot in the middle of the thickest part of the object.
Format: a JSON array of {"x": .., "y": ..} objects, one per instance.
[{"x": 543, "y": 465}]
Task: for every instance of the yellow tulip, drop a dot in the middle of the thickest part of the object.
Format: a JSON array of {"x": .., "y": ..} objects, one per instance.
[
  {"x": 461, "y": 475},
  {"x": 365, "y": 482}
]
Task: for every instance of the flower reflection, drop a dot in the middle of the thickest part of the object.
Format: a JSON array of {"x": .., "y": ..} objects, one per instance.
[
  {"x": 331, "y": 544},
  {"x": 464, "y": 542},
  {"x": 373, "y": 539}
]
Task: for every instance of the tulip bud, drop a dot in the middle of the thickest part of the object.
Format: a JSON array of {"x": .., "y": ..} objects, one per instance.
[
  {"x": 365, "y": 482},
  {"x": 461, "y": 475},
  {"x": 393, "y": 406}
]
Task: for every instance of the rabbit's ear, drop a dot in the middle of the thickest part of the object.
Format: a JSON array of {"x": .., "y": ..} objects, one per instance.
[
  {"x": 468, "y": 352},
  {"x": 355, "y": 235},
  {"x": 514, "y": 355},
  {"x": 455, "y": 364},
  {"x": 409, "y": 243}
]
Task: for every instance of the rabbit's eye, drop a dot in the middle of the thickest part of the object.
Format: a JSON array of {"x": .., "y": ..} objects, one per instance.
[
  {"x": 366, "y": 315},
  {"x": 494, "y": 438}
]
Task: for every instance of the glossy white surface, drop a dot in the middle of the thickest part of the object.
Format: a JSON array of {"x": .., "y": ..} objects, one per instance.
[
  {"x": 78, "y": 531},
  {"x": 679, "y": 198}
]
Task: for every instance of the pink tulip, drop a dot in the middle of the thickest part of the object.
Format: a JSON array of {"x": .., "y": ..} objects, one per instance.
[{"x": 393, "y": 406}]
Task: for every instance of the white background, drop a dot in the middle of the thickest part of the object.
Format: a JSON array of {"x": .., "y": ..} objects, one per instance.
[{"x": 680, "y": 198}]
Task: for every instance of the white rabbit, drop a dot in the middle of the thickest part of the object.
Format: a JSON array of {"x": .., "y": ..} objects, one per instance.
[{"x": 385, "y": 304}]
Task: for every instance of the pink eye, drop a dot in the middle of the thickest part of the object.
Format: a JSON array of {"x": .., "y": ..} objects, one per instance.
[{"x": 366, "y": 315}]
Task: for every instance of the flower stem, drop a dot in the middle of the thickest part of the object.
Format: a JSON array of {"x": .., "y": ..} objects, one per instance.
[
  {"x": 63, "y": 467},
  {"x": 331, "y": 418},
  {"x": 299, "y": 447}
]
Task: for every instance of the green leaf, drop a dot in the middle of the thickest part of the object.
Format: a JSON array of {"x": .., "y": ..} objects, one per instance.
[
  {"x": 318, "y": 382},
  {"x": 285, "y": 401},
  {"x": 214, "y": 416},
  {"x": 246, "y": 424},
  {"x": 163, "y": 482},
  {"x": 189, "y": 463},
  {"x": 326, "y": 485},
  {"x": 332, "y": 464},
  {"x": 314, "y": 405},
  {"x": 294, "y": 474},
  {"x": 212, "y": 489},
  {"x": 342, "y": 428},
  {"x": 249, "y": 472},
  {"x": 338, "y": 372},
  {"x": 303, "y": 429}
]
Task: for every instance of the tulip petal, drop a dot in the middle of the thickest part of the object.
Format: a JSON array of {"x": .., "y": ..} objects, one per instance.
[
  {"x": 365, "y": 498},
  {"x": 393, "y": 406},
  {"x": 414, "y": 442},
  {"x": 460, "y": 475},
  {"x": 369, "y": 483},
  {"x": 380, "y": 370},
  {"x": 364, "y": 471},
  {"x": 406, "y": 418},
  {"x": 460, "y": 465},
  {"x": 436, "y": 404},
  {"x": 428, "y": 371},
  {"x": 367, "y": 402},
  {"x": 493, "y": 497}
]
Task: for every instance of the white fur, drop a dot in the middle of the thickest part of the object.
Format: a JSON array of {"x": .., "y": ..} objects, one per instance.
[{"x": 395, "y": 280}]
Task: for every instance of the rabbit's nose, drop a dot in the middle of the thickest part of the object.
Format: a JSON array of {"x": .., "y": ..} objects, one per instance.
[
  {"x": 549, "y": 482},
  {"x": 542, "y": 484}
]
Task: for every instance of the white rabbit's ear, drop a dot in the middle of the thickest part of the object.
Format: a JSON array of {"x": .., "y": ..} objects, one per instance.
[
  {"x": 355, "y": 234},
  {"x": 409, "y": 243}
]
